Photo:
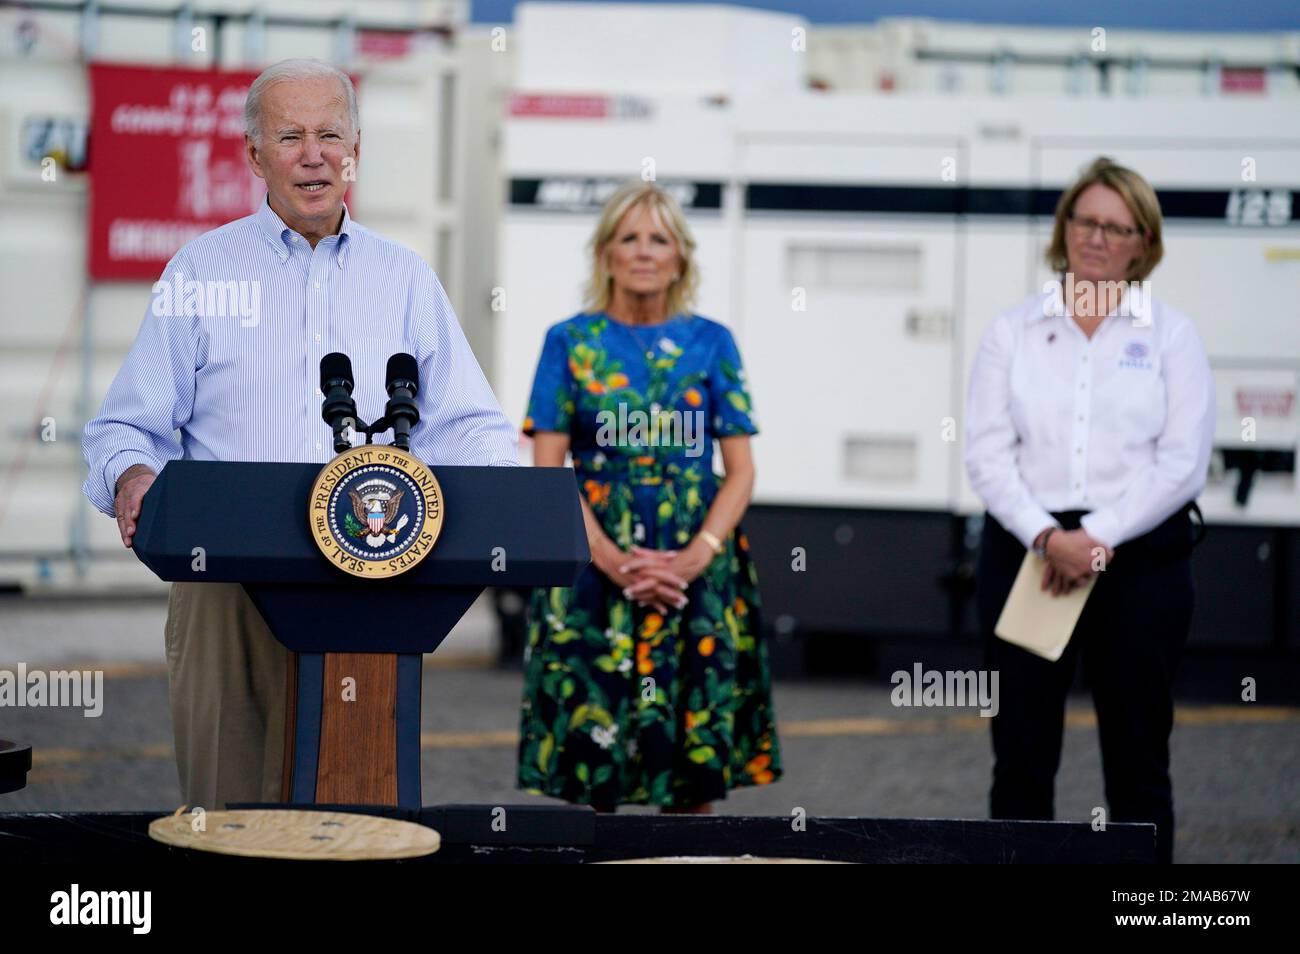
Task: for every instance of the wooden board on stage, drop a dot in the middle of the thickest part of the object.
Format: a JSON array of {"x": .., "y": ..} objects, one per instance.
[{"x": 298, "y": 835}]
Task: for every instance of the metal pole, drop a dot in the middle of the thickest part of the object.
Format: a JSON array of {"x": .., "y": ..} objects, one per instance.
[{"x": 79, "y": 541}]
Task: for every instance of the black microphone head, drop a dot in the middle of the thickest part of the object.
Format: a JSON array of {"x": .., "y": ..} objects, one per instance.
[
  {"x": 336, "y": 366},
  {"x": 403, "y": 367}
]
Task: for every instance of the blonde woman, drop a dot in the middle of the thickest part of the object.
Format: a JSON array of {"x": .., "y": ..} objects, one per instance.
[
  {"x": 648, "y": 681},
  {"x": 1089, "y": 426}
]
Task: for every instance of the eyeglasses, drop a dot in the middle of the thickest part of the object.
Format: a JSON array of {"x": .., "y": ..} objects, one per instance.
[{"x": 1112, "y": 232}]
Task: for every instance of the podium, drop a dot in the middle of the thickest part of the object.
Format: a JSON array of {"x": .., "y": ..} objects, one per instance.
[{"x": 247, "y": 523}]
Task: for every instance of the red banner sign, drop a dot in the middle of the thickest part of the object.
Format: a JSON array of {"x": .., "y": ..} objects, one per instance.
[
  {"x": 1243, "y": 80},
  {"x": 578, "y": 106},
  {"x": 166, "y": 164}
]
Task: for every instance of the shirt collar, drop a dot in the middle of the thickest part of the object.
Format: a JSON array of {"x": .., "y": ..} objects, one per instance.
[{"x": 281, "y": 236}]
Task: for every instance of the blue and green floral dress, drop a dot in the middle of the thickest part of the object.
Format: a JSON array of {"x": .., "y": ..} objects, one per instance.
[{"x": 623, "y": 704}]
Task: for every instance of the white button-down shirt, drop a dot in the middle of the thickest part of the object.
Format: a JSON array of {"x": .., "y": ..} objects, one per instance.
[
  {"x": 1120, "y": 425},
  {"x": 229, "y": 355}
]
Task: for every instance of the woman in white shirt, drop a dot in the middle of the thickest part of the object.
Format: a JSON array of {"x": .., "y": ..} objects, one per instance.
[{"x": 1088, "y": 432}]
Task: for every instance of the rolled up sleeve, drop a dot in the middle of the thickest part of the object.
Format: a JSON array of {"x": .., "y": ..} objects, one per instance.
[{"x": 150, "y": 398}]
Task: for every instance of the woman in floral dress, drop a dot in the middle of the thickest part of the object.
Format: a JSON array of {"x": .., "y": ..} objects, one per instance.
[{"x": 647, "y": 682}]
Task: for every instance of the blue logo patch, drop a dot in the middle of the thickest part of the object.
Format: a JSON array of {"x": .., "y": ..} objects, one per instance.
[{"x": 1135, "y": 356}]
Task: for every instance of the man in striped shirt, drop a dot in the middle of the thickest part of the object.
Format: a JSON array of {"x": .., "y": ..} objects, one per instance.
[{"x": 291, "y": 283}]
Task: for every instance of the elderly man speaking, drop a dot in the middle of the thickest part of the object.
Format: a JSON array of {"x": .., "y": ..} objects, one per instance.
[{"x": 244, "y": 387}]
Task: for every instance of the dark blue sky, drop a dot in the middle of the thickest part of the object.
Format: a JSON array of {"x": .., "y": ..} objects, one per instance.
[{"x": 1218, "y": 15}]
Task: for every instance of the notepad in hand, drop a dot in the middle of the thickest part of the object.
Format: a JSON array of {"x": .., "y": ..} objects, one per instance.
[{"x": 1033, "y": 619}]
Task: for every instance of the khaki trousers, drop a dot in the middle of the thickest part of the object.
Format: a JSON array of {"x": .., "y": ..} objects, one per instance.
[{"x": 226, "y": 675}]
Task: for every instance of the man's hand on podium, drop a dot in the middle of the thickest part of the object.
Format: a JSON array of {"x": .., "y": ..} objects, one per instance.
[{"x": 131, "y": 488}]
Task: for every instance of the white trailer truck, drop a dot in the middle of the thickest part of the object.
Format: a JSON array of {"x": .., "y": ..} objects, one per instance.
[{"x": 859, "y": 244}]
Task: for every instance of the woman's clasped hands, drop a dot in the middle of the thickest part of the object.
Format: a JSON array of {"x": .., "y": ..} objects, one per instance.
[
  {"x": 1072, "y": 558},
  {"x": 656, "y": 578}
]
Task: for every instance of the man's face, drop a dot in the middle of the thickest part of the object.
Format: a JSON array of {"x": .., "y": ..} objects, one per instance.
[{"x": 306, "y": 143}]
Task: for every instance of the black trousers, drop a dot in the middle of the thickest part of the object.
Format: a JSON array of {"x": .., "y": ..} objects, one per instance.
[{"x": 1130, "y": 637}]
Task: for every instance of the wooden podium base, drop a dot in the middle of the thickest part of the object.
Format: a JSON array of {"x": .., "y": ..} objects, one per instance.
[{"x": 352, "y": 729}]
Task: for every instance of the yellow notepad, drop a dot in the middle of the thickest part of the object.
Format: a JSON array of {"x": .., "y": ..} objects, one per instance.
[{"x": 1033, "y": 618}]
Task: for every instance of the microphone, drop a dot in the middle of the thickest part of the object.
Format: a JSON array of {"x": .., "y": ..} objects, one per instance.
[
  {"x": 339, "y": 410},
  {"x": 403, "y": 382}
]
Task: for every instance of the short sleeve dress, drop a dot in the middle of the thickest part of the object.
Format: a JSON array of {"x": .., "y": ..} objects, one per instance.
[{"x": 623, "y": 704}]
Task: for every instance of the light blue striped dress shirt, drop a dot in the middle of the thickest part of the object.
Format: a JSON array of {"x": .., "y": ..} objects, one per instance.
[{"x": 243, "y": 383}]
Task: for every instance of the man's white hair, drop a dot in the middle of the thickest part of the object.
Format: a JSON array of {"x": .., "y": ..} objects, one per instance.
[{"x": 296, "y": 69}]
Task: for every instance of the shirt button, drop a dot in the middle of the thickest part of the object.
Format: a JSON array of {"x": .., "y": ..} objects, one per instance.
[
  {"x": 1085, "y": 359},
  {"x": 318, "y": 393},
  {"x": 318, "y": 445},
  {"x": 318, "y": 284},
  {"x": 1076, "y": 486},
  {"x": 1080, "y": 416},
  {"x": 318, "y": 339},
  {"x": 1078, "y": 450}
]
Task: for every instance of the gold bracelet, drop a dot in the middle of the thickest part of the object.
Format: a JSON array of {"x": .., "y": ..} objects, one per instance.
[{"x": 712, "y": 541}]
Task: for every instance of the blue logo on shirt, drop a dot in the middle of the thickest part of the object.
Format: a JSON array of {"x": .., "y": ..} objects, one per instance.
[{"x": 1135, "y": 356}]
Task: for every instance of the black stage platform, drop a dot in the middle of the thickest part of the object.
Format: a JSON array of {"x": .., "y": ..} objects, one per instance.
[{"x": 562, "y": 835}]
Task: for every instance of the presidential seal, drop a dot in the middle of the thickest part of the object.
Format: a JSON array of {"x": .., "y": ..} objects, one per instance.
[{"x": 375, "y": 511}]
